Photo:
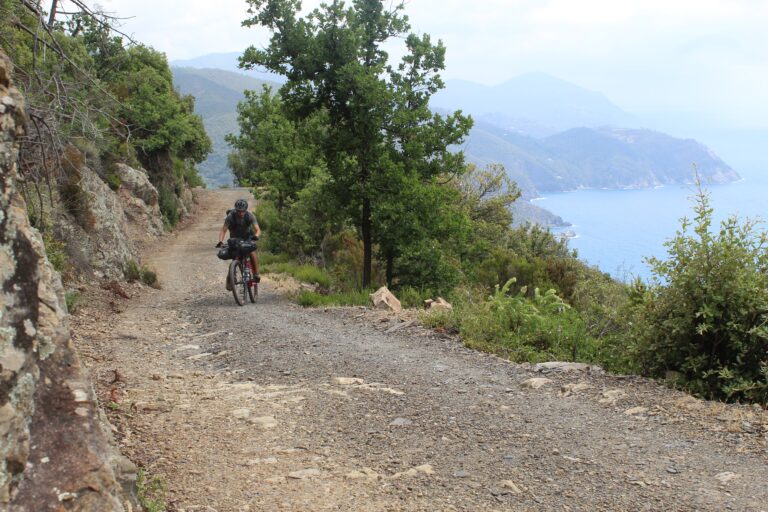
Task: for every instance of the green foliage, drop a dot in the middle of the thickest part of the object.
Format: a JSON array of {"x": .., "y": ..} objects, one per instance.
[
  {"x": 73, "y": 299},
  {"x": 114, "y": 181},
  {"x": 151, "y": 492},
  {"x": 371, "y": 118},
  {"x": 314, "y": 299},
  {"x": 169, "y": 207},
  {"x": 141, "y": 273},
  {"x": 705, "y": 314},
  {"x": 55, "y": 251},
  {"x": 304, "y": 273},
  {"x": 535, "y": 328}
]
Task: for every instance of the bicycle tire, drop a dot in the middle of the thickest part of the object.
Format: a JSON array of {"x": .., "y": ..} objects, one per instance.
[
  {"x": 236, "y": 278},
  {"x": 253, "y": 291}
]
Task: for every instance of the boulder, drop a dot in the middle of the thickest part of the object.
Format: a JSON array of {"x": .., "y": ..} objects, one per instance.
[
  {"x": 136, "y": 181},
  {"x": 383, "y": 299}
]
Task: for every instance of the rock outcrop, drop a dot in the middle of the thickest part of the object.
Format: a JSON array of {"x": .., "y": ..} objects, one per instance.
[{"x": 54, "y": 452}]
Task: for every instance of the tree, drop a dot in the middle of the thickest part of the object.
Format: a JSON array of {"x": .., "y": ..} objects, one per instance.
[
  {"x": 380, "y": 131},
  {"x": 272, "y": 151}
]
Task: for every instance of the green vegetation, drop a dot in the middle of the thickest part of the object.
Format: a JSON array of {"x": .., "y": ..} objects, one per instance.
[
  {"x": 141, "y": 273},
  {"x": 353, "y": 175},
  {"x": 94, "y": 102},
  {"x": 73, "y": 299},
  {"x": 304, "y": 273},
  {"x": 705, "y": 316},
  {"x": 151, "y": 492},
  {"x": 313, "y": 299}
]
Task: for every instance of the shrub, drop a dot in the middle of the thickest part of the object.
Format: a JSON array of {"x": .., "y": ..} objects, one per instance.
[
  {"x": 705, "y": 313},
  {"x": 169, "y": 207},
  {"x": 114, "y": 181},
  {"x": 142, "y": 273},
  {"x": 73, "y": 300},
  {"x": 55, "y": 251}
]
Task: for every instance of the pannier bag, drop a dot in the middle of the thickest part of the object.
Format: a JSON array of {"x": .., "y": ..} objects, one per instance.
[{"x": 224, "y": 254}]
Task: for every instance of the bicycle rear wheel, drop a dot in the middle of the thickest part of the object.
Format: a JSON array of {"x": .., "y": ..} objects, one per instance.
[{"x": 238, "y": 283}]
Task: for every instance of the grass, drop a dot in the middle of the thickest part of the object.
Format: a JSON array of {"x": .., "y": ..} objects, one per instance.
[
  {"x": 151, "y": 492},
  {"x": 312, "y": 299},
  {"x": 74, "y": 299},
  {"x": 304, "y": 273}
]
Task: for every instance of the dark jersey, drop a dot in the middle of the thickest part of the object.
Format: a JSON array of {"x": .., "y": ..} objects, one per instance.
[{"x": 240, "y": 227}]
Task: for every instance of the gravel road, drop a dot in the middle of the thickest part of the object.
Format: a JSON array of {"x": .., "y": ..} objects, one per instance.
[{"x": 275, "y": 407}]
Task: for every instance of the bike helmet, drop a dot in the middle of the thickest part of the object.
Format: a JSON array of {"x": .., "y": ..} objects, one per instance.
[{"x": 241, "y": 205}]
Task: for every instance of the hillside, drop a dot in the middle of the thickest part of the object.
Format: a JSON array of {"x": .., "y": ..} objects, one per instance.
[
  {"x": 216, "y": 93},
  {"x": 534, "y": 103},
  {"x": 569, "y": 157},
  {"x": 595, "y": 158}
]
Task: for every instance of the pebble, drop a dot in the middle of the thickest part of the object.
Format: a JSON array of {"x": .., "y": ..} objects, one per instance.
[{"x": 401, "y": 422}]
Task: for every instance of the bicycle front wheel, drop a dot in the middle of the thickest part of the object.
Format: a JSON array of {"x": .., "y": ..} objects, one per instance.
[
  {"x": 253, "y": 291},
  {"x": 238, "y": 283}
]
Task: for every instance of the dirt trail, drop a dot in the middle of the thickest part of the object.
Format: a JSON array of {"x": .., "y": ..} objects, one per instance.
[{"x": 275, "y": 407}]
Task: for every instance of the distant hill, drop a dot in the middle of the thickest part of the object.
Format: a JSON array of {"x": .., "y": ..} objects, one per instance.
[
  {"x": 535, "y": 104},
  {"x": 217, "y": 93},
  {"x": 537, "y": 156},
  {"x": 594, "y": 158},
  {"x": 225, "y": 62}
]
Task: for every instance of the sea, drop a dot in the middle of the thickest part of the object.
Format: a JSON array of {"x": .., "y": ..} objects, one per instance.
[{"x": 617, "y": 230}]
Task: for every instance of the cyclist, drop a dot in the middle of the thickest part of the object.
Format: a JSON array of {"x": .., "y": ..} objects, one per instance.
[{"x": 241, "y": 224}]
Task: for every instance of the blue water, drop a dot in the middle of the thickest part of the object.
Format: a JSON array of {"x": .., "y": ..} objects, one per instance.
[{"x": 617, "y": 229}]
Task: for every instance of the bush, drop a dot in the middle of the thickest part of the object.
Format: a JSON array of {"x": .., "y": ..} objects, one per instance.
[
  {"x": 142, "y": 273},
  {"x": 169, "y": 207},
  {"x": 705, "y": 315},
  {"x": 55, "y": 251},
  {"x": 73, "y": 300}
]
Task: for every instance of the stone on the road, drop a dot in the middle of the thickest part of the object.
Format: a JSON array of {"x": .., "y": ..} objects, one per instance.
[{"x": 535, "y": 383}]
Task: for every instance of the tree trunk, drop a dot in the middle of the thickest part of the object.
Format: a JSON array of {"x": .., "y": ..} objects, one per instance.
[
  {"x": 390, "y": 269},
  {"x": 52, "y": 15},
  {"x": 367, "y": 244}
]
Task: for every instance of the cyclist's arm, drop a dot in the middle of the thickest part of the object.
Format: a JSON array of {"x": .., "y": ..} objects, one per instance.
[
  {"x": 256, "y": 229},
  {"x": 223, "y": 232}
]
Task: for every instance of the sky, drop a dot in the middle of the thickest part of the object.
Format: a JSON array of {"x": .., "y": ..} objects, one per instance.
[{"x": 705, "y": 59}]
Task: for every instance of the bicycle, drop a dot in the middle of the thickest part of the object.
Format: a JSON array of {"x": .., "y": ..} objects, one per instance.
[{"x": 240, "y": 273}]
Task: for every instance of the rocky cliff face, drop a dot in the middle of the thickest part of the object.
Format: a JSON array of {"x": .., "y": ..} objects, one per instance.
[{"x": 54, "y": 452}]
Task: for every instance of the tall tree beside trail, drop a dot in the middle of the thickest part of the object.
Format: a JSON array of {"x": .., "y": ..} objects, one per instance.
[{"x": 380, "y": 131}]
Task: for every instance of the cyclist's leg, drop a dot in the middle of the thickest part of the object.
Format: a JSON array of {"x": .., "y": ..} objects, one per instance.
[{"x": 255, "y": 266}]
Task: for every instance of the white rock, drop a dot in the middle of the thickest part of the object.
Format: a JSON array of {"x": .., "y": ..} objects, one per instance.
[
  {"x": 509, "y": 484},
  {"x": 348, "y": 381},
  {"x": 726, "y": 477},
  {"x": 440, "y": 304},
  {"x": 304, "y": 474},
  {"x": 383, "y": 299},
  {"x": 535, "y": 383},
  {"x": 635, "y": 411},
  {"x": 560, "y": 366},
  {"x": 241, "y": 414}
]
